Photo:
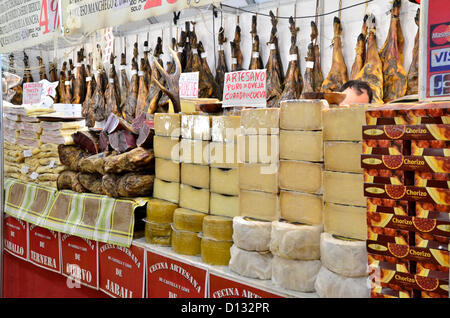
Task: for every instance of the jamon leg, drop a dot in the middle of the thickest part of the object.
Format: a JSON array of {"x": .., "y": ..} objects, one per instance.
[{"x": 133, "y": 160}]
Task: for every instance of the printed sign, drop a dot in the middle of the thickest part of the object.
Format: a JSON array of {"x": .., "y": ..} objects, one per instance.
[
  {"x": 44, "y": 248},
  {"x": 169, "y": 278},
  {"x": 90, "y": 15},
  {"x": 222, "y": 287},
  {"x": 79, "y": 257},
  {"x": 15, "y": 239},
  {"x": 27, "y": 23},
  {"x": 245, "y": 88},
  {"x": 188, "y": 84},
  {"x": 32, "y": 93},
  {"x": 122, "y": 270}
]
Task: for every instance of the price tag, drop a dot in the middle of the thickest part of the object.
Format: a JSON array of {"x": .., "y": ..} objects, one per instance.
[
  {"x": 204, "y": 55},
  {"x": 133, "y": 72},
  {"x": 141, "y": 73},
  {"x": 88, "y": 78},
  {"x": 24, "y": 169},
  {"x": 292, "y": 57},
  {"x": 233, "y": 60},
  {"x": 27, "y": 153},
  {"x": 255, "y": 55},
  {"x": 111, "y": 80},
  {"x": 220, "y": 47},
  {"x": 309, "y": 64},
  {"x": 194, "y": 51},
  {"x": 245, "y": 88},
  {"x": 188, "y": 84},
  {"x": 272, "y": 46},
  {"x": 34, "y": 176},
  {"x": 51, "y": 164}
]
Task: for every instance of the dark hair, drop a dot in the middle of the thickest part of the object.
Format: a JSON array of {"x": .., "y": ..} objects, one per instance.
[{"x": 358, "y": 86}]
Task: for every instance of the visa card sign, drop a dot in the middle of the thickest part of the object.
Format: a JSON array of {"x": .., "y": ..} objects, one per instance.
[{"x": 440, "y": 60}]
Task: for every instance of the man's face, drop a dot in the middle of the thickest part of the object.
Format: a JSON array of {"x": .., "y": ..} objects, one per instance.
[{"x": 352, "y": 96}]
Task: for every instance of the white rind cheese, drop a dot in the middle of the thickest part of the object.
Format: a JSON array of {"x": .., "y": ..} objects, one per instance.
[
  {"x": 251, "y": 235},
  {"x": 251, "y": 264},
  {"x": 343, "y": 257},
  {"x": 332, "y": 285},
  {"x": 294, "y": 274}
]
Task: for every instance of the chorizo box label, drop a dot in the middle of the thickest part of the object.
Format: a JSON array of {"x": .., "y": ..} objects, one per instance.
[
  {"x": 407, "y": 132},
  {"x": 122, "y": 270},
  {"x": 222, "y": 287},
  {"x": 15, "y": 237},
  {"x": 170, "y": 278},
  {"x": 79, "y": 258},
  {"x": 44, "y": 246},
  {"x": 408, "y": 163}
]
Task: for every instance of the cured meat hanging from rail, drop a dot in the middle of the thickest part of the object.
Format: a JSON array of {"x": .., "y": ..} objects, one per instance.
[
  {"x": 147, "y": 68},
  {"x": 111, "y": 98},
  {"x": 129, "y": 107},
  {"x": 163, "y": 103},
  {"x": 394, "y": 74},
  {"x": 154, "y": 92},
  {"x": 360, "y": 50},
  {"x": 87, "y": 106},
  {"x": 181, "y": 52},
  {"x": 255, "y": 57},
  {"x": 79, "y": 82},
  {"x": 394, "y": 23},
  {"x": 274, "y": 68},
  {"x": 207, "y": 70},
  {"x": 143, "y": 90},
  {"x": 292, "y": 85},
  {"x": 68, "y": 85},
  {"x": 205, "y": 87},
  {"x": 317, "y": 69},
  {"x": 53, "y": 74},
  {"x": 42, "y": 72},
  {"x": 99, "y": 103},
  {"x": 413, "y": 73},
  {"x": 62, "y": 86},
  {"x": 187, "y": 48},
  {"x": 372, "y": 71},
  {"x": 338, "y": 75},
  {"x": 221, "y": 68},
  {"x": 313, "y": 78},
  {"x": 236, "y": 53},
  {"x": 18, "y": 96},
  {"x": 27, "y": 77},
  {"x": 113, "y": 74},
  {"x": 125, "y": 83}
]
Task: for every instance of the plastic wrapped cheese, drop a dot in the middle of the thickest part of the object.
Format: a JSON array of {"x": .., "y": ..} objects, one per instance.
[
  {"x": 295, "y": 241},
  {"x": 343, "y": 256},
  {"x": 218, "y": 227},
  {"x": 188, "y": 220},
  {"x": 160, "y": 211},
  {"x": 332, "y": 285},
  {"x": 215, "y": 252},
  {"x": 250, "y": 263},
  {"x": 251, "y": 235},
  {"x": 294, "y": 274},
  {"x": 185, "y": 242},
  {"x": 157, "y": 229}
]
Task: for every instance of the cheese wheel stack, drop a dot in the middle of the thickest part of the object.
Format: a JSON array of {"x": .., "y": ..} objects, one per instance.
[
  {"x": 224, "y": 173},
  {"x": 158, "y": 229},
  {"x": 194, "y": 158},
  {"x": 258, "y": 148},
  {"x": 296, "y": 250},
  {"x": 216, "y": 239},
  {"x": 301, "y": 160},
  {"x": 250, "y": 253},
  {"x": 186, "y": 226},
  {"x": 166, "y": 146}
]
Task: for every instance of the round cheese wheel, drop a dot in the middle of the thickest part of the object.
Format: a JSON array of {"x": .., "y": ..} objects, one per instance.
[
  {"x": 251, "y": 235},
  {"x": 215, "y": 252},
  {"x": 188, "y": 220},
  {"x": 157, "y": 229},
  {"x": 160, "y": 240},
  {"x": 332, "y": 285},
  {"x": 250, "y": 263},
  {"x": 295, "y": 241},
  {"x": 160, "y": 211},
  {"x": 185, "y": 242},
  {"x": 295, "y": 274},
  {"x": 342, "y": 256},
  {"x": 218, "y": 227}
]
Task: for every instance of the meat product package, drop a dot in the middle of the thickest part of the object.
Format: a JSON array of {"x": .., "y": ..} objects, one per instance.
[{"x": 338, "y": 75}]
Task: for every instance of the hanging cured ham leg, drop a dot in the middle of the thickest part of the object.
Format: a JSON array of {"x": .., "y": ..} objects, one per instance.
[
  {"x": 338, "y": 73},
  {"x": 394, "y": 75},
  {"x": 154, "y": 93},
  {"x": 207, "y": 70},
  {"x": 221, "y": 68},
  {"x": 292, "y": 85},
  {"x": 413, "y": 73},
  {"x": 129, "y": 107},
  {"x": 143, "y": 90},
  {"x": 372, "y": 72},
  {"x": 274, "y": 69},
  {"x": 236, "y": 53},
  {"x": 317, "y": 69},
  {"x": 360, "y": 50}
]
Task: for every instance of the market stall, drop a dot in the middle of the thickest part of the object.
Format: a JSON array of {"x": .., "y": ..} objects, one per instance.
[{"x": 211, "y": 150}]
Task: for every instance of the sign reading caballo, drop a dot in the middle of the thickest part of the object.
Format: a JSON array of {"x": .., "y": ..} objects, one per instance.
[{"x": 80, "y": 16}]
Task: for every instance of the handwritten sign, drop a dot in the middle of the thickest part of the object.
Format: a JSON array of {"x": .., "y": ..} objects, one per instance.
[
  {"x": 32, "y": 93},
  {"x": 188, "y": 84},
  {"x": 245, "y": 88}
]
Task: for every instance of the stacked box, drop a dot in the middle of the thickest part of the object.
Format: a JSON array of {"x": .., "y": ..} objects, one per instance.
[
  {"x": 224, "y": 172},
  {"x": 258, "y": 151},
  {"x": 194, "y": 158},
  {"x": 166, "y": 145},
  {"x": 408, "y": 215},
  {"x": 301, "y": 161}
]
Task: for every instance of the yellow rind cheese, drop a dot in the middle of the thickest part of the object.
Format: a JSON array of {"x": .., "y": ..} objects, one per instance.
[
  {"x": 259, "y": 205},
  {"x": 224, "y": 204},
  {"x": 196, "y": 126},
  {"x": 166, "y": 147},
  {"x": 160, "y": 211},
  {"x": 258, "y": 148},
  {"x": 215, "y": 252},
  {"x": 188, "y": 220},
  {"x": 344, "y": 123},
  {"x": 218, "y": 228},
  {"x": 157, "y": 229},
  {"x": 343, "y": 156},
  {"x": 223, "y": 155},
  {"x": 225, "y": 128},
  {"x": 185, "y": 242},
  {"x": 343, "y": 188},
  {"x": 260, "y": 121},
  {"x": 160, "y": 240},
  {"x": 345, "y": 220},
  {"x": 194, "y": 151}
]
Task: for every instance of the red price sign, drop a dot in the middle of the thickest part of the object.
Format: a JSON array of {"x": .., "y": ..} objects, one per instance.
[
  {"x": 15, "y": 239},
  {"x": 169, "y": 278},
  {"x": 49, "y": 17},
  {"x": 122, "y": 270},
  {"x": 44, "y": 248},
  {"x": 79, "y": 258},
  {"x": 221, "y": 287}
]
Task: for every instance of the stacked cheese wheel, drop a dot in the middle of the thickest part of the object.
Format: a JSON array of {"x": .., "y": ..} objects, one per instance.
[
  {"x": 216, "y": 239},
  {"x": 158, "y": 229},
  {"x": 296, "y": 250},
  {"x": 186, "y": 226},
  {"x": 250, "y": 254},
  {"x": 344, "y": 268}
]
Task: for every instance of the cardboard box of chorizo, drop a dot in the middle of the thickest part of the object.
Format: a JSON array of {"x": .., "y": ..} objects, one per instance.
[
  {"x": 431, "y": 179},
  {"x": 386, "y": 176},
  {"x": 385, "y": 147},
  {"x": 390, "y": 206},
  {"x": 407, "y": 132},
  {"x": 409, "y": 114},
  {"x": 430, "y": 148},
  {"x": 407, "y": 163}
]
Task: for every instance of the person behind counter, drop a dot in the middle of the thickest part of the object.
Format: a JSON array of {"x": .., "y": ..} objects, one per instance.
[{"x": 357, "y": 92}]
